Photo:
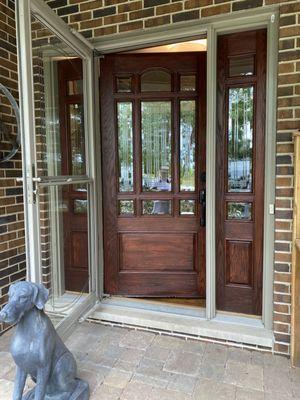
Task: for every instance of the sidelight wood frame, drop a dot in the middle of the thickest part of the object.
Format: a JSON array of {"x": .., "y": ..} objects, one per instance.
[{"x": 211, "y": 27}]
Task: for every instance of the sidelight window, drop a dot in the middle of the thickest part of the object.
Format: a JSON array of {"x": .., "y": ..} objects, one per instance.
[{"x": 240, "y": 139}]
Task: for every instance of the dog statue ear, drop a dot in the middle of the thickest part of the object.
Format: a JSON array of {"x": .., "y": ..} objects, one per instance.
[{"x": 41, "y": 296}]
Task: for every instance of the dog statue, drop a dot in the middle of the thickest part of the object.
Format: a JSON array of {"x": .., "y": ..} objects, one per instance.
[{"x": 37, "y": 349}]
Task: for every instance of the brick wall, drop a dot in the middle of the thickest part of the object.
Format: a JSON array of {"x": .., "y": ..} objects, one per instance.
[
  {"x": 112, "y": 17},
  {"x": 12, "y": 250}
]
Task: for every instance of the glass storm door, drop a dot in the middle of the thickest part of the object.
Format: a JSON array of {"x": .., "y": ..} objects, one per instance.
[
  {"x": 56, "y": 95},
  {"x": 240, "y": 171},
  {"x": 153, "y": 143}
]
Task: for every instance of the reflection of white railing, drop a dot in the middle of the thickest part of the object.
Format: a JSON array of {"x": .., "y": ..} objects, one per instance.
[{"x": 295, "y": 340}]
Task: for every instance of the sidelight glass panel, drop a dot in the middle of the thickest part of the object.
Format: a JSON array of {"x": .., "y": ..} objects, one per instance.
[
  {"x": 156, "y": 81},
  {"x": 74, "y": 87},
  {"x": 240, "y": 139},
  {"x": 241, "y": 211},
  {"x": 126, "y": 207},
  {"x": 156, "y": 145},
  {"x": 188, "y": 83},
  {"x": 156, "y": 207},
  {"x": 187, "y": 207},
  {"x": 241, "y": 66},
  {"x": 77, "y": 143},
  {"x": 125, "y": 146},
  {"x": 187, "y": 144},
  {"x": 80, "y": 206},
  {"x": 123, "y": 84}
]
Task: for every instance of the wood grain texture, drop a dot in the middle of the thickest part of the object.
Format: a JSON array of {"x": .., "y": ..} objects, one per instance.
[
  {"x": 75, "y": 226},
  {"x": 148, "y": 255},
  {"x": 240, "y": 266}
]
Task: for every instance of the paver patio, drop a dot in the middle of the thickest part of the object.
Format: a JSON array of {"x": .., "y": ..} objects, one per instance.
[{"x": 128, "y": 364}]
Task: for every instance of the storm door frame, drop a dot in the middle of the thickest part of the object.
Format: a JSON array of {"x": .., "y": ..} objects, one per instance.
[{"x": 24, "y": 10}]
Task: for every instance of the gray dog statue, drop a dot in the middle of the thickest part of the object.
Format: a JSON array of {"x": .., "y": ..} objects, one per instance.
[{"x": 37, "y": 349}]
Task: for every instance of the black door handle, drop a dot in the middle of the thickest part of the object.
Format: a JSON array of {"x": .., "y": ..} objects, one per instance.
[{"x": 203, "y": 208}]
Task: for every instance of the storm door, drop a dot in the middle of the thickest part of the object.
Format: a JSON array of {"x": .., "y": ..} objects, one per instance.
[
  {"x": 57, "y": 110},
  {"x": 153, "y": 155}
]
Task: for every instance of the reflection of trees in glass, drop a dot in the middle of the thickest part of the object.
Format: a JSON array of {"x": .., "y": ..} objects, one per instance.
[
  {"x": 187, "y": 207},
  {"x": 240, "y": 139},
  {"x": 156, "y": 145},
  {"x": 187, "y": 145},
  {"x": 126, "y": 207},
  {"x": 239, "y": 210},
  {"x": 77, "y": 139},
  {"x": 125, "y": 145},
  {"x": 156, "y": 207}
]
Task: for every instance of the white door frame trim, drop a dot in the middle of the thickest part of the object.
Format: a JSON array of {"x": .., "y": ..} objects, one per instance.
[{"x": 267, "y": 17}]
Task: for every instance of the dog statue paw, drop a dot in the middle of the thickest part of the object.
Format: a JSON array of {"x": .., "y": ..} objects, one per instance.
[{"x": 37, "y": 349}]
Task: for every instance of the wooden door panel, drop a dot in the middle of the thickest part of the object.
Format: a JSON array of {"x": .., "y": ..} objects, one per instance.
[
  {"x": 146, "y": 252},
  {"x": 78, "y": 249},
  {"x": 239, "y": 264},
  {"x": 159, "y": 285},
  {"x": 240, "y": 170},
  {"x": 158, "y": 251}
]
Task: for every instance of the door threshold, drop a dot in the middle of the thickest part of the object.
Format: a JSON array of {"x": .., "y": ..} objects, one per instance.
[
  {"x": 165, "y": 319},
  {"x": 154, "y": 305}
]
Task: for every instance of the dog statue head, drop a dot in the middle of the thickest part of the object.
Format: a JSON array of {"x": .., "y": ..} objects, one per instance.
[{"x": 22, "y": 297}]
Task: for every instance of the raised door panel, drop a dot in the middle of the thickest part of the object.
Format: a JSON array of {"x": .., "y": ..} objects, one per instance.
[
  {"x": 239, "y": 263},
  {"x": 152, "y": 252}
]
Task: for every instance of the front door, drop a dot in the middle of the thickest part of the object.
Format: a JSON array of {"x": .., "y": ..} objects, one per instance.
[
  {"x": 240, "y": 170},
  {"x": 153, "y": 163}
]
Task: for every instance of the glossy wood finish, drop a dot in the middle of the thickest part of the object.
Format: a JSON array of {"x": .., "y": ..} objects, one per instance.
[
  {"x": 239, "y": 252},
  {"x": 74, "y": 224},
  {"x": 151, "y": 255}
]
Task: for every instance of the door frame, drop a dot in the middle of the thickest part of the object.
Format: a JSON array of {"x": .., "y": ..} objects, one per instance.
[
  {"x": 212, "y": 27},
  {"x": 82, "y": 47}
]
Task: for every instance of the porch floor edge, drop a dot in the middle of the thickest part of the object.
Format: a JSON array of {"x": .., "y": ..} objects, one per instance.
[{"x": 163, "y": 322}]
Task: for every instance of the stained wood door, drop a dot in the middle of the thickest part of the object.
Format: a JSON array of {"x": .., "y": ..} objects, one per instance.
[
  {"x": 75, "y": 229},
  {"x": 153, "y": 162},
  {"x": 240, "y": 170}
]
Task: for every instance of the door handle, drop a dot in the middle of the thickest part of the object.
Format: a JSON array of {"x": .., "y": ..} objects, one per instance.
[{"x": 203, "y": 208}]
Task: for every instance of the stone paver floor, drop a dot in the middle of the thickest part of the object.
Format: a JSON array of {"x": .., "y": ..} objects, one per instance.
[{"x": 123, "y": 364}]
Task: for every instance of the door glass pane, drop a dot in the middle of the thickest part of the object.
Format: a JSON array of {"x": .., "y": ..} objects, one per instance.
[
  {"x": 64, "y": 248},
  {"x": 59, "y": 115},
  {"x": 187, "y": 207},
  {"x": 77, "y": 142},
  {"x": 241, "y": 66},
  {"x": 156, "y": 81},
  {"x": 156, "y": 145},
  {"x": 125, "y": 146},
  {"x": 187, "y": 144},
  {"x": 126, "y": 207},
  {"x": 239, "y": 210},
  {"x": 187, "y": 83},
  {"x": 240, "y": 139},
  {"x": 156, "y": 207}
]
